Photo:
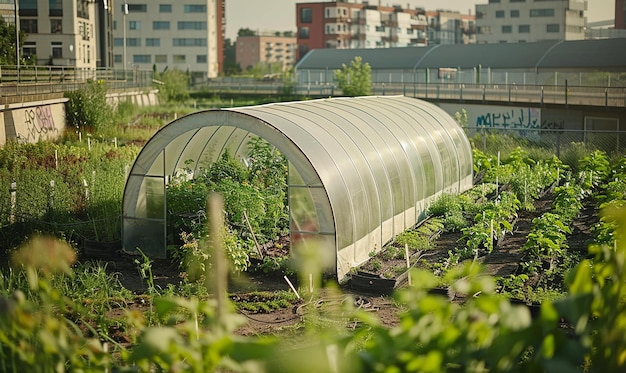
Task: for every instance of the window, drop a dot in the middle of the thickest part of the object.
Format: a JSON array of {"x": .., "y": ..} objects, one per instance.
[
  {"x": 523, "y": 29},
  {"x": 499, "y": 13},
  {"x": 160, "y": 25},
  {"x": 117, "y": 58},
  {"x": 137, "y": 8},
  {"x": 29, "y": 26},
  {"x": 57, "y": 49},
  {"x": 194, "y": 8},
  {"x": 133, "y": 42},
  {"x": 153, "y": 42},
  {"x": 481, "y": 15},
  {"x": 56, "y": 26},
  {"x": 494, "y": 1},
  {"x": 201, "y": 58},
  {"x": 28, "y": 8},
  {"x": 507, "y": 29},
  {"x": 160, "y": 58},
  {"x": 118, "y": 42},
  {"x": 485, "y": 30},
  {"x": 179, "y": 58},
  {"x": 55, "y": 8},
  {"x": 303, "y": 33},
  {"x": 514, "y": 13},
  {"x": 189, "y": 42},
  {"x": 82, "y": 9},
  {"x": 517, "y": 1},
  {"x": 165, "y": 8},
  {"x": 542, "y": 12},
  {"x": 29, "y": 48},
  {"x": 134, "y": 25},
  {"x": 189, "y": 25},
  {"x": 306, "y": 15},
  {"x": 141, "y": 58},
  {"x": 553, "y": 27}
]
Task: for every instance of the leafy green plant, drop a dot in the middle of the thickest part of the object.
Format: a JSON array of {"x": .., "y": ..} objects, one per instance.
[
  {"x": 547, "y": 239},
  {"x": 355, "y": 79},
  {"x": 87, "y": 108}
]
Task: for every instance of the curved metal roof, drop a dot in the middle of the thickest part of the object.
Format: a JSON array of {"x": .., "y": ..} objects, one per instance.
[
  {"x": 583, "y": 54},
  {"x": 362, "y": 170}
]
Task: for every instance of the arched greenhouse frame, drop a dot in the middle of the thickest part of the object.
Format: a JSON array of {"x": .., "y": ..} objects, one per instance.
[{"x": 360, "y": 170}]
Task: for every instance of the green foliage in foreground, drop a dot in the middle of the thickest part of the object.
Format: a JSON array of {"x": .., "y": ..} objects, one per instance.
[{"x": 584, "y": 331}]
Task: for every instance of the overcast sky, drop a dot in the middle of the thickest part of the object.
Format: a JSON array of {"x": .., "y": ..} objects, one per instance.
[{"x": 280, "y": 15}]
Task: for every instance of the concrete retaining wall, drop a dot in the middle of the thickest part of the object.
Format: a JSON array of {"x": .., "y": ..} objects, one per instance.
[{"x": 38, "y": 119}]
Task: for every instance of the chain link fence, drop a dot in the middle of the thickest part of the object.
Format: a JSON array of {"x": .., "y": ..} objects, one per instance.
[{"x": 567, "y": 144}]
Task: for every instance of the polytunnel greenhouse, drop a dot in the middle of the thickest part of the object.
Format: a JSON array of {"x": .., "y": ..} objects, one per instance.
[{"x": 360, "y": 170}]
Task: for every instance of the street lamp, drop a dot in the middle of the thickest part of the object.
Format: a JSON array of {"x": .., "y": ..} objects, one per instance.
[
  {"x": 17, "y": 34},
  {"x": 124, "y": 12}
]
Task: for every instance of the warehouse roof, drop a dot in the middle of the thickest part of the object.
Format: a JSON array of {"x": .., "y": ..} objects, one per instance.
[{"x": 602, "y": 54}]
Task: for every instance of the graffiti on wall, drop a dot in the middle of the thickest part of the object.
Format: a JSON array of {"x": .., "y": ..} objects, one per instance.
[
  {"x": 38, "y": 124},
  {"x": 519, "y": 118}
]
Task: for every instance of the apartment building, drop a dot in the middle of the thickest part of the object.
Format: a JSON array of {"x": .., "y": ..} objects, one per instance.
[
  {"x": 7, "y": 11},
  {"x": 446, "y": 27},
  {"x": 348, "y": 25},
  {"x": 58, "y": 32},
  {"x": 266, "y": 49},
  {"x": 516, "y": 21},
  {"x": 187, "y": 36}
]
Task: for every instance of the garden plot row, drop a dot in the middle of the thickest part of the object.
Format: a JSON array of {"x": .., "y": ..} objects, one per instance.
[{"x": 516, "y": 223}]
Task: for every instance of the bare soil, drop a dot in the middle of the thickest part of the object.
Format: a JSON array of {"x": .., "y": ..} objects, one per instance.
[{"x": 502, "y": 261}]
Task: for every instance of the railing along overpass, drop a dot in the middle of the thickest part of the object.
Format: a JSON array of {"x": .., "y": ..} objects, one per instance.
[
  {"x": 534, "y": 95},
  {"x": 19, "y": 84},
  {"x": 26, "y": 83}
]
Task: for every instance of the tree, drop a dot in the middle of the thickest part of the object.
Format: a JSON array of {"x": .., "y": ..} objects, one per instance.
[
  {"x": 246, "y": 32},
  {"x": 175, "y": 85},
  {"x": 356, "y": 79},
  {"x": 7, "y": 42}
]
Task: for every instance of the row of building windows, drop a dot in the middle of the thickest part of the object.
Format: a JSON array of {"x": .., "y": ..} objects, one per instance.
[
  {"x": 56, "y": 50},
  {"x": 28, "y": 8},
  {"x": 514, "y": 13},
  {"x": 522, "y": 29},
  {"x": 161, "y": 58},
  {"x": 31, "y": 26},
  {"x": 166, "y": 8},
  {"x": 165, "y": 25},
  {"x": 156, "y": 42}
]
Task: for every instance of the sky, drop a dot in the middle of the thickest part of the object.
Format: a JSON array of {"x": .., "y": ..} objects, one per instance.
[{"x": 280, "y": 15}]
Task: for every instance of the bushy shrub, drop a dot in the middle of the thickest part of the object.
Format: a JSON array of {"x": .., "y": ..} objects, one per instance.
[{"x": 87, "y": 109}]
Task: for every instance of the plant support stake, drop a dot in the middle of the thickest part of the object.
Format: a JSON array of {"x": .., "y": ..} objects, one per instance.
[{"x": 291, "y": 286}]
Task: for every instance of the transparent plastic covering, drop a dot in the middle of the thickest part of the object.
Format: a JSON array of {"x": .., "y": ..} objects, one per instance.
[{"x": 361, "y": 170}]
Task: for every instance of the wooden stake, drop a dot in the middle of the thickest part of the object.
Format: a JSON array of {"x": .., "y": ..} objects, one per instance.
[{"x": 291, "y": 286}]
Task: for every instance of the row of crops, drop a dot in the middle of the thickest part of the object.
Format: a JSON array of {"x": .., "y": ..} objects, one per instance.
[{"x": 52, "y": 307}]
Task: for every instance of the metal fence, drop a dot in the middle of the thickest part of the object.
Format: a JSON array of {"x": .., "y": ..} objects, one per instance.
[
  {"x": 29, "y": 80},
  {"x": 559, "y": 142},
  {"x": 495, "y": 93}
]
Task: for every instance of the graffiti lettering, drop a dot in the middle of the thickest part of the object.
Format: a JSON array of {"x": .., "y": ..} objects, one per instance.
[
  {"x": 514, "y": 119},
  {"x": 39, "y": 123},
  {"x": 553, "y": 126}
]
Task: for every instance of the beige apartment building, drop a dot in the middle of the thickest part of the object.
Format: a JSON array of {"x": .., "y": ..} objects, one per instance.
[
  {"x": 516, "y": 21},
  {"x": 265, "y": 49},
  {"x": 187, "y": 36},
  {"x": 58, "y": 32}
]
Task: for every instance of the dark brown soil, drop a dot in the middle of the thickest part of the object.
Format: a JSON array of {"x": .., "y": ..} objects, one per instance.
[{"x": 503, "y": 261}]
